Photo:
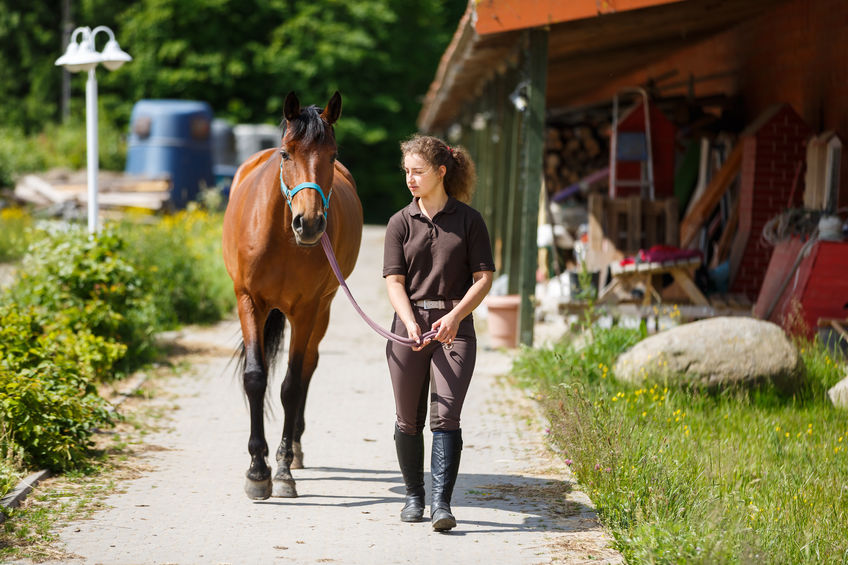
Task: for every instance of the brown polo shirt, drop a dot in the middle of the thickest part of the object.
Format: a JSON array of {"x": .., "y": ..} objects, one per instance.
[{"x": 437, "y": 257}]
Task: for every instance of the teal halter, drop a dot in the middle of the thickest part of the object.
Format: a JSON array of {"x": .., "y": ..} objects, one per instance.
[{"x": 289, "y": 194}]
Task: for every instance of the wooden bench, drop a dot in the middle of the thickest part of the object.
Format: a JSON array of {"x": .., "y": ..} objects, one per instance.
[{"x": 628, "y": 276}]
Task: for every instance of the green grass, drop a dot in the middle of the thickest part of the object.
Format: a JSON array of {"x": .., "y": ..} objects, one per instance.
[{"x": 683, "y": 476}]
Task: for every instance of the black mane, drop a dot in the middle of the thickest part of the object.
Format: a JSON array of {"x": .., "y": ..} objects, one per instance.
[{"x": 309, "y": 127}]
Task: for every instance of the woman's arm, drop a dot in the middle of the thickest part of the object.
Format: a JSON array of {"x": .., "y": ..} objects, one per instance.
[
  {"x": 448, "y": 324},
  {"x": 396, "y": 289}
]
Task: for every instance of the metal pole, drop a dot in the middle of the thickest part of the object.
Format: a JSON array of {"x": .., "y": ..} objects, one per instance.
[{"x": 91, "y": 148}]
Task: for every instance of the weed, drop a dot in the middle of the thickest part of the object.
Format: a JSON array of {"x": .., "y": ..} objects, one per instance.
[{"x": 681, "y": 475}]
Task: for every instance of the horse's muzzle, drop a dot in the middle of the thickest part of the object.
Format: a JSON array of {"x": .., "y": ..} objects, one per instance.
[{"x": 308, "y": 232}]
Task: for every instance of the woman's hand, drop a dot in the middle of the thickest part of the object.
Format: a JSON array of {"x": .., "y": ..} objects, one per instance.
[
  {"x": 446, "y": 328},
  {"x": 414, "y": 331},
  {"x": 396, "y": 288}
]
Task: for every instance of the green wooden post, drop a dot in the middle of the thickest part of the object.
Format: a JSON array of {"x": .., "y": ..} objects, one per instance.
[
  {"x": 513, "y": 203},
  {"x": 532, "y": 147},
  {"x": 498, "y": 229}
]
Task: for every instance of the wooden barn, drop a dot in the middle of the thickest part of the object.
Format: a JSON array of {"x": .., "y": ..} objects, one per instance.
[{"x": 691, "y": 125}]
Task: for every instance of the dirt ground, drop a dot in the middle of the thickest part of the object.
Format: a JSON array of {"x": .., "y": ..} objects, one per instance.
[{"x": 513, "y": 499}]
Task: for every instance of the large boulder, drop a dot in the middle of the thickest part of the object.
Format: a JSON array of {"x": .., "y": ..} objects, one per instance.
[
  {"x": 839, "y": 393},
  {"x": 716, "y": 352}
]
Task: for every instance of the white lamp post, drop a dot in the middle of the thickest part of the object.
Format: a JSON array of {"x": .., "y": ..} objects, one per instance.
[{"x": 81, "y": 55}]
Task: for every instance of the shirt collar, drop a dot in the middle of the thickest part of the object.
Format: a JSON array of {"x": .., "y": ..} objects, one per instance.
[{"x": 449, "y": 208}]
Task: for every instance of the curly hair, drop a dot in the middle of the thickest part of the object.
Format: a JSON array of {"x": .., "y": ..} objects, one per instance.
[{"x": 460, "y": 175}]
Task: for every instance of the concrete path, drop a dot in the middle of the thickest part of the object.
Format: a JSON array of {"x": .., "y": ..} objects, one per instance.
[{"x": 511, "y": 499}]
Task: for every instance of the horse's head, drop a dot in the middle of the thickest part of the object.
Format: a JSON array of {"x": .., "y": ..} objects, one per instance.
[{"x": 308, "y": 155}]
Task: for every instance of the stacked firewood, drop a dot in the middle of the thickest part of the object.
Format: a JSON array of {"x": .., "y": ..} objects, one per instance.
[{"x": 574, "y": 151}]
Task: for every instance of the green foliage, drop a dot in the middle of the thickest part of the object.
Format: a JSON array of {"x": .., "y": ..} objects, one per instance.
[
  {"x": 89, "y": 284},
  {"x": 29, "y": 44},
  {"x": 14, "y": 233},
  {"x": 179, "y": 262},
  {"x": 84, "y": 311},
  {"x": 49, "y": 405},
  {"x": 682, "y": 476},
  {"x": 243, "y": 58},
  {"x": 57, "y": 146},
  {"x": 19, "y": 154}
]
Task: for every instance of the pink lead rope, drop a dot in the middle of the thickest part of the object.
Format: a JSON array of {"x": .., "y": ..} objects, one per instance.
[{"x": 331, "y": 257}]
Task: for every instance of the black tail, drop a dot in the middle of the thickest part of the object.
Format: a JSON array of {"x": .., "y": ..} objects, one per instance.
[{"x": 275, "y": 327}]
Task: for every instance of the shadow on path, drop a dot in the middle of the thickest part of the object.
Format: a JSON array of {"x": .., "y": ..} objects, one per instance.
[{"x": 542, "y": 503}]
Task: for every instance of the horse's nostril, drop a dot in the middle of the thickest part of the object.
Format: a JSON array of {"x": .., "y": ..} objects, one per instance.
[
  {"x": 297, "y": 223},
  {"x": 322, "y": 223}
]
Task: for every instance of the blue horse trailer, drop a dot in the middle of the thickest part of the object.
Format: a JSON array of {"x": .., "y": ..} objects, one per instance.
[{"x": 173, "y": 138}]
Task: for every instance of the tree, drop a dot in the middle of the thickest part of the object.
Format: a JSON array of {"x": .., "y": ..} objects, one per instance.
[{"x": 244, "y": 57}]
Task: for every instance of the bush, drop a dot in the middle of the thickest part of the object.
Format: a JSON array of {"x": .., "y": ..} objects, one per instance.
[
  {"x": 57, "y": 146},
  {"x": 49, "y": 404},
  {"x": 179, "y": 259},
  {"x": 14, "y": 233},
  {"x": 19, "y": 154},
  {"x": 84, "y": 310},
  {"x": 87, "y": 283}
]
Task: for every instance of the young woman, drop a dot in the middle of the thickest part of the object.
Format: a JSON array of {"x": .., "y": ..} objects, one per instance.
[{"x": 438, "y": 267}]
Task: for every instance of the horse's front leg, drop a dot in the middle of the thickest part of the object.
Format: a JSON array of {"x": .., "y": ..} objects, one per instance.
[
  {"x": 303, "y": 359},
  {"x": 257, "y": 484},
  {"x": 284, "y": 485}
]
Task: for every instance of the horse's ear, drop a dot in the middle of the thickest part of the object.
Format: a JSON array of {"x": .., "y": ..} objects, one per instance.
[
  {"x": 333, "y": 110},
  {"x": 292, "y": 107}
]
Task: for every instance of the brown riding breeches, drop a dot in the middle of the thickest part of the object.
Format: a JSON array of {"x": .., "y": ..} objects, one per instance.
[{"x": 446, "y": 373}]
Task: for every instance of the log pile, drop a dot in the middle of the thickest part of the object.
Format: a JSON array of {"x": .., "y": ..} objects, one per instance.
[{"x": 574, "y": 151}]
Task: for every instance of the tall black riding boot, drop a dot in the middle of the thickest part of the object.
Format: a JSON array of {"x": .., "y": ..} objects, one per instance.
[
  {"x": 410, "y": 453},
  {"x": 444, "y": 466}
]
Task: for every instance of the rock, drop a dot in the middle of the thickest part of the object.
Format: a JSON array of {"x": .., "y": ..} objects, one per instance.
[
  {"x": 839, "y": 393},
  {"x": 716, "y": 352}
]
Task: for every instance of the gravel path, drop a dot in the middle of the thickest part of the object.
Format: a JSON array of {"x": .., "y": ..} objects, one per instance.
[{"x": 512, "y": 499}]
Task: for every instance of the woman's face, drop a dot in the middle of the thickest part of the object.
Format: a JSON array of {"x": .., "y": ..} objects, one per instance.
[{"x": 422, "y": 179}]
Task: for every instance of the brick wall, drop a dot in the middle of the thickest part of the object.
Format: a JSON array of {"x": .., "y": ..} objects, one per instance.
[{"x": 770, "y": 182}]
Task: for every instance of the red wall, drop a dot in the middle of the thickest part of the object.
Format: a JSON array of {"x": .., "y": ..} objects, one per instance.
[{"x": 817, "y": 287}]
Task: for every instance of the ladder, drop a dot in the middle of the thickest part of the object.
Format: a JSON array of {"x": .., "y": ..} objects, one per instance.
[{"x": 632, "y": 147}]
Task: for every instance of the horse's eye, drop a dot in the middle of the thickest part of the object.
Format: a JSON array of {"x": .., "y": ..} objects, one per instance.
[{"x": 284, "y": 154}]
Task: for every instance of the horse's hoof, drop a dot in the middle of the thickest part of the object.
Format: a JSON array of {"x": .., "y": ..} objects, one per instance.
[
  {"x": 284, "y": 488},
  {"x": 257, "y": 490},
  {"x": 297, "y": 462}
]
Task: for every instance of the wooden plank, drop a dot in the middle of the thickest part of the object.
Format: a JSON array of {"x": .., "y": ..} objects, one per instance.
[
  {"x": 683, "y": 278},
  {"x": 596, "y": 228},
  {"x": 672, "y": 231},
  {"x": 495, "y": 16},
  {"x": 722, "y": 248},
  {"x": 702, "y": 209},
  {"x": 634, "y": 223}
]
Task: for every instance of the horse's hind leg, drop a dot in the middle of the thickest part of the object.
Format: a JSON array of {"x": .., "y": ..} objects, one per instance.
[{"x": 257, "y": 484}]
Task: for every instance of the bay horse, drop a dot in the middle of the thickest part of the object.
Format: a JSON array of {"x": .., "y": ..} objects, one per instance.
[{"x": 281, "y": 202}]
